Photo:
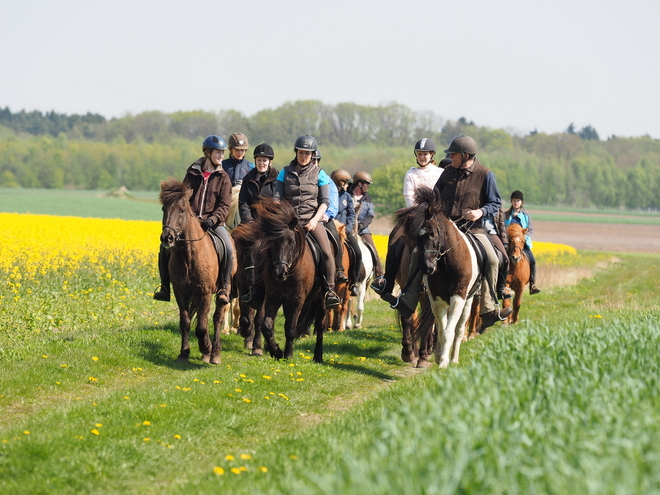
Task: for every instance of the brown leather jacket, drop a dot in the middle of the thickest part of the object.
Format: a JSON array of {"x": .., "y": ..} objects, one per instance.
[
  {"x": 463, "y": 190},
  {"x": 211, "y": 197}
]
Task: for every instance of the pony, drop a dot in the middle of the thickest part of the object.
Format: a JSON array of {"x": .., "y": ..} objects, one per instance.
[
  {"x": 285, "y": 266},
  {"x": 249, "y": 320},
  {"x": 450, "y": 269},
  {"x": 518, "y": 276},
  {"x": 194, "y": 270},
  {"x": 355, "y": 313}
]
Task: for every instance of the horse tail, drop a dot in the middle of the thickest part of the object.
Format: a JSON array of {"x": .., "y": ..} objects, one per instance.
[{"x": 306, "y": 318}]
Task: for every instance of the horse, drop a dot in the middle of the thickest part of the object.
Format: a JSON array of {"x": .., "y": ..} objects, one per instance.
[
  {"x": 449, "y": 265},
  {"x": 355, "y": 315},
  {"x": 337, "y": 317},
  {"x": 518, "y": 276},
  {"x": 249, "y": 320},
  {"x": 194, "y": 270},
  {"x": 285, "y": 265}
]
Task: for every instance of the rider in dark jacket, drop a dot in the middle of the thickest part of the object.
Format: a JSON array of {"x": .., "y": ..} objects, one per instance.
[
  {"x": 210, "y": 199},
  {"x": 258, "y": 183}
]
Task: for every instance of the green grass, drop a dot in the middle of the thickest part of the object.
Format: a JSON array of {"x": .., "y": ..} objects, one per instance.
[
  {"x": 88, "y": 204},
  {"x": 594, "y": 215}
]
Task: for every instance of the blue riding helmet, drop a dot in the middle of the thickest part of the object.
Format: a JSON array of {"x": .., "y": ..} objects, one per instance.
[{"x": 214, "y": 142}]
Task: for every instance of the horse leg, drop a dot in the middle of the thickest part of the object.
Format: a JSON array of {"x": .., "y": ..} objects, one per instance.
[
  {"x": 202, "y": 329},
  {"x": 445, "y": 333},
  {"x": 268, "y": 331},
  {"x": 428, "y": 336},
  {"x": 463, "y": 313},
  {"x": 291, "y": 329},
  {"x": 246, "y": 325},
  {"x": 256, "y": 333},
  {"x": 408, "y": 347},
  {"x": 517, "y": 302},
  {"x": 184, "y": 325},
  {"x": 219, "y": 316},
  {"x": 319, "y": 325},
  {"x": 360, "y": 304}
]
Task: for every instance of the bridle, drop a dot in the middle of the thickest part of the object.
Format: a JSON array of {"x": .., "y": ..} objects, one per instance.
[
  {"x": 513, "y": 254},
  {"x": 438, "y": 252},
  {"x": 177, "y": 233}
]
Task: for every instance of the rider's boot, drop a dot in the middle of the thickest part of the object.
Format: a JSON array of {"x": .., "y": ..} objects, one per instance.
[
  {"x": 533, "y": 289},
  {"x": 163, "y": 294},
  {"x": 249, "y": 279},
  {"x": 341, "y": 277},
  {"x": 224, "y": 293}
]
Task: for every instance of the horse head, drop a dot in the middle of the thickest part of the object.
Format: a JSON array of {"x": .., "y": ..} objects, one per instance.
[
  {"x": 282, "y": 236},
  {"x": 175, "y": 198},
  {"x": 423, "y": 224},
  {"x": 516, "y": 242}
]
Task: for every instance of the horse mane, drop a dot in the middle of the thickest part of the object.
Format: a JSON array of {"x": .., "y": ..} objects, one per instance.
[
  {"x": 514, "y": 230},
  {"x": 274, "y": 220},
  {"x": 413, "y": 218},
  {"x": 171, "y": 190},
  {"x": 245, "y": 235}
]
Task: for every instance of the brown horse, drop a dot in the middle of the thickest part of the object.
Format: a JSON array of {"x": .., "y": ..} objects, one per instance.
[
  {"x": 450, "y": 269},
  {"x": 518, "y": 276},
  {"x": 337, "y": 317},
  {"x": 194, "y": 270},
  {"x": 285, "y": 265}
]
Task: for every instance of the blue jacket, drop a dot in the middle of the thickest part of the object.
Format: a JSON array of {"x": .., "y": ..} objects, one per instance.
[
  {"x": 236, "y": 170},
  {"x": 346, "y": 213},
  {"x": 365, "y": 215},
  {"x": 333, "y": 207},
  {"x": 524, "y": 220}
]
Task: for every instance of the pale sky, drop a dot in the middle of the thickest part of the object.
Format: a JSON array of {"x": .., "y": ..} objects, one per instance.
[{"x": 513, "y": 64}]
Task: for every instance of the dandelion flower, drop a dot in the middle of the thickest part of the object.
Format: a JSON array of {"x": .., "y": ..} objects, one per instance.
[
  {"x": 242, "y": 375},
  {"x": 126, "y": 397},
  {"x": 178, "y": 437},
  {"x": 146, "y": 423},
  {"x": 294, "y": 457},
  {"x": 263, "y": 469},
  {"x": 229, "y": 457},
  {"x": 238, "y": 390},
  {"x": 236, "y": 470},
  {"x": 44, "y": 356},
  {"x": 95, "y": 431},
  {"x": 26, "y": 432},
  {"x": 218, "y": 470},
  {"x": 98, "y": 425},
  {"x": 95, "y": 358},
  {"x": 245, "y": 399},
  {"x": 245, "y": 457},
  {"x": 146, "y": 439},
  {"x": 266, "y": 377}
]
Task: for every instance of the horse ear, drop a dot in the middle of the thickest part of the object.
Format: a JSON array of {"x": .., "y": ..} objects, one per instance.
[
  {"x": 525, "y": 231},
  {"x": 293, "y": 223}
]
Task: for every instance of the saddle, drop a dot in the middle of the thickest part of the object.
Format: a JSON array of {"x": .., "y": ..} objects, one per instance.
[
  {"x": 220, "y": 250},
  {"x": 317, "y": 254},
  {"x": 482, "y": 261}
]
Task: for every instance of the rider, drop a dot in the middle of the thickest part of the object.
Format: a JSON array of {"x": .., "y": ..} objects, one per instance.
[
  {"x": 346, "y": 215},
  {"x": 257, "y": 184},
  {"x": 306, "y": 187},
  {"x": 495, "y": 227},
  {"x": 427, "y": 174},
  {"x": 517, "y": 214},
  {"x": 468, "y": 191},
  {"x": 327, "y": 220},
  {"x": 237, "y": 168},
  {"x": 364, "y": 209},
  {"x": 210, "y": 199}
]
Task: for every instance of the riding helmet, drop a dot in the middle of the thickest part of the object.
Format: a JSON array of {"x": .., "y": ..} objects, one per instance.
[
  {"x": 305, "y": 143},
  {"x": 238, "y": 141},
  {"x": 425, "y": 144},
  {"x": 340, "y": 175},
  {"x": 264, "y": 150},
  {"x": 317, "y": 155},
  {"x": 462, "y": 144},
  {"x": 363, "y": 177},
  {"x": 517, "y": 195},
  {"x": 445, "y": 162},
  {"x": 214, "y": 142}
]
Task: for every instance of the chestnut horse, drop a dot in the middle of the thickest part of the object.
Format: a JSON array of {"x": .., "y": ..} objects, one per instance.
[
  {"x": 518, "y": 276},
  {"x": 285, "y": 265},
  {"x": 451, "y": 273},
  {"x": 194, "y": 270}
]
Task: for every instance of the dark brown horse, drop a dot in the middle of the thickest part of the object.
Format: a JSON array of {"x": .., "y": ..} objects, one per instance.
[
  {"x": 285, "y": 265},
  {"x": 249, "y": 321},
  {"x": 194, "y": 270},
  {"x": 449, "y": 265},
  {"x": 518, "y": 276}
]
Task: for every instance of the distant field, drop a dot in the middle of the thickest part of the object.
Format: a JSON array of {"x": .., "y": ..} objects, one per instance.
[{"x": 89, "y": 204}]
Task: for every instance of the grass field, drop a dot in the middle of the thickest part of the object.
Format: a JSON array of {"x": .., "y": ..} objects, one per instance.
[{"x": 92, "y": 400}]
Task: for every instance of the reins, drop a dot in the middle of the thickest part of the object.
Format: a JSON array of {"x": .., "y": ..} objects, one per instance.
[{"x": 439, "y": 253}]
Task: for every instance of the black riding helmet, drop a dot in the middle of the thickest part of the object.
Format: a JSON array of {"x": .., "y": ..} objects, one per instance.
[
  {"x": 264, "y": 150},
  {"x": 517, "y": 195},
  {"x": 305, "y": 143},
  {"x": 462, "y": 144}
]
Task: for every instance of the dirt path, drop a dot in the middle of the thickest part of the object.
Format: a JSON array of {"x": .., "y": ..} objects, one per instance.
[{"x": 614, "y": 238}]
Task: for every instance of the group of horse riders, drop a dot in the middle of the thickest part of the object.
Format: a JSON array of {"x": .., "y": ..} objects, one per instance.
[
  {"x": 468, "y": 191},
  {"x": 316, "y": 197}
]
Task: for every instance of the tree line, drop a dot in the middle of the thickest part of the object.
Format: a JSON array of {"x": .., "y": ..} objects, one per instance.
[{"x": 573, "y": 168}]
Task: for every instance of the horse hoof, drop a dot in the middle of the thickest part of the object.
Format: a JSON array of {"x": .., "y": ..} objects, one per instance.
[
  {"x": 407, "y": 357},
  {"x": 423, "y": 363},
  {"x": 206, "y": 358},
  {"x": 257, "y": 352},
  {"x": 182, "y": 359},
  {"x": 216, "y": 360},
  {"x": 247, "y": 345},
  {"x": 225, "y": 331}
]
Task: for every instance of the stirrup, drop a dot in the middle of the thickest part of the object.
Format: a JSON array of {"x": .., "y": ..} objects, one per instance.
[
  {"x": 354, "y": 290},
  {"x": 341, "y": 277},
  {"x": 162, "y": 294},
  {"x": 223, "y": 297},
  {"x": 331, "y": 300},
  {"x": 533, "y": 289},
  {"x": 247, "y": 297},
  {"x": 378, "y": 285}
]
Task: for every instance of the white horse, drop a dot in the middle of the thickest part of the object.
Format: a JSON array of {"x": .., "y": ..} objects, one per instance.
[{"x": 354, "y": 315}]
